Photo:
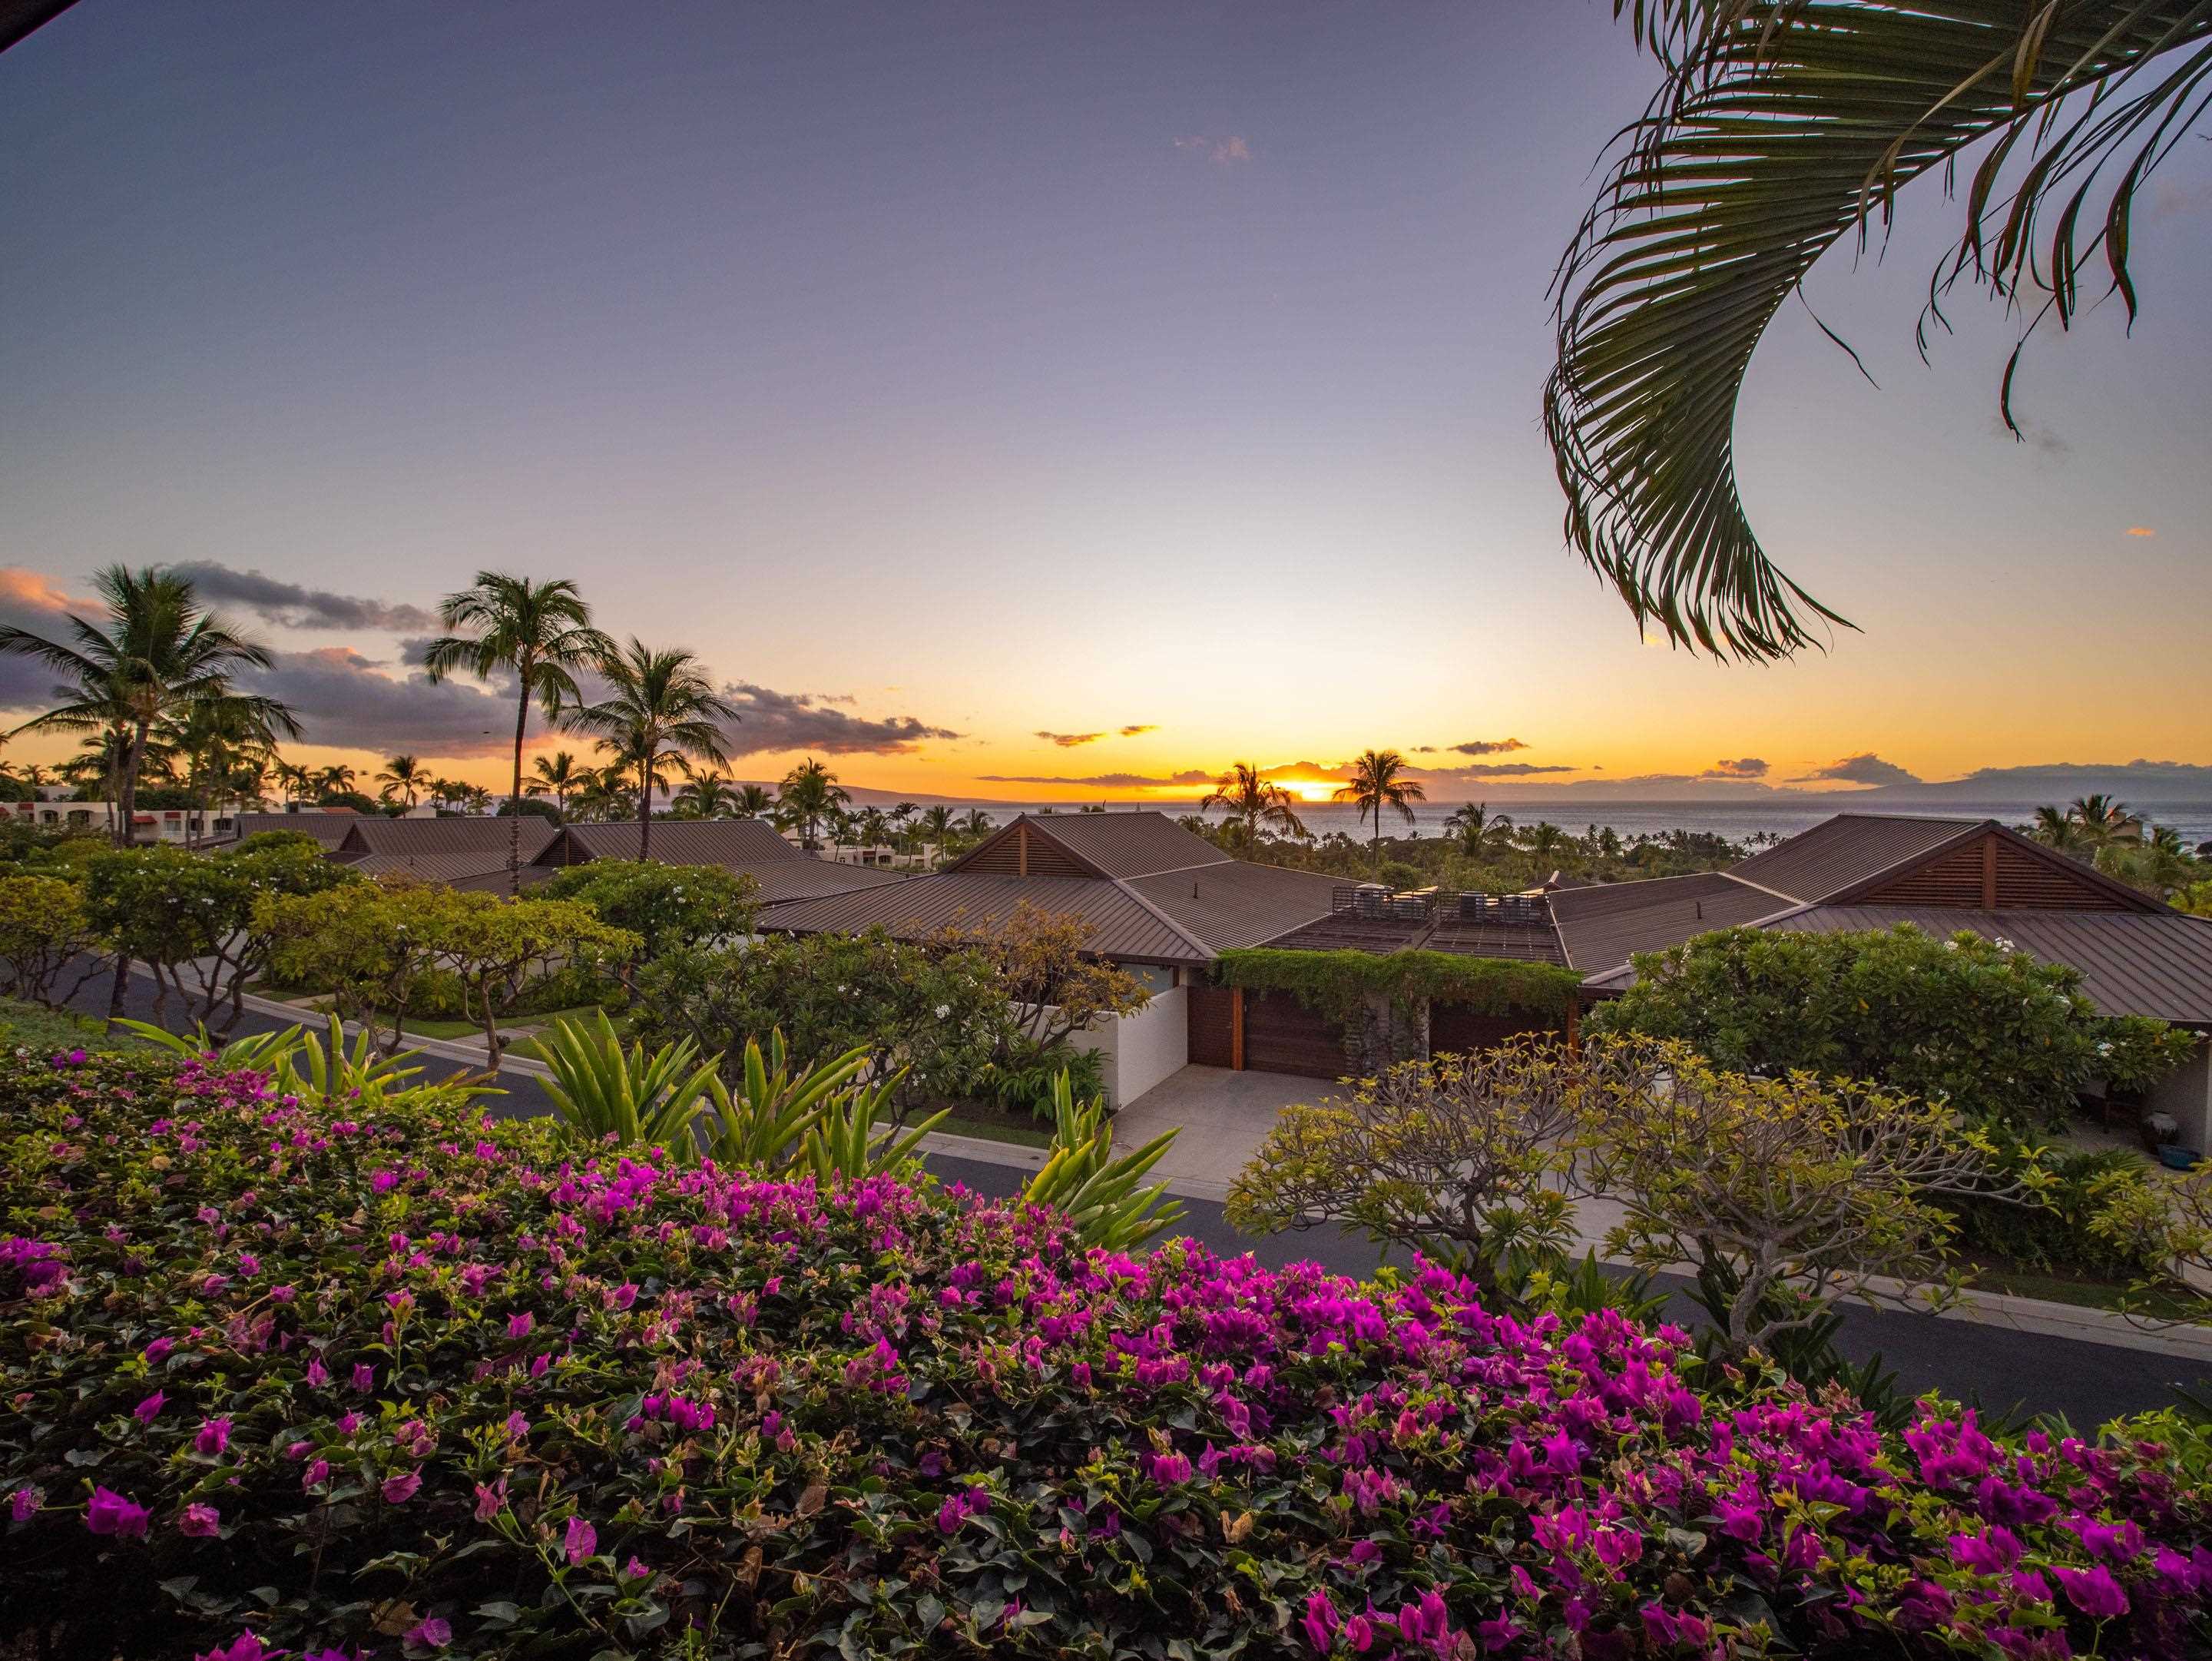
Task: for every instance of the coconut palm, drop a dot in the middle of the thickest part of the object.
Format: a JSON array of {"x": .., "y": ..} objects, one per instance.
[
  {"x": 337, "y": 779},
  {"x": 157, "y": 650},
  {"x": 2105, "y": 820},
  {"x": 478, "y": 800},
  {"x": 1379, "y": 780},
  {"x": 403, "y": 776},
  {"x": 2055, "y": 828},
  {"x": 539, "y": 632},
  {"x": 707, "y": 796},
  {"x": 294, "y": 780},
  {"x": 223, "y": 742},
  {"x": 556, "y": 777},
  {"x": 811, "y": 793},
  {"x": 1478, "y": 829},
  {"x": 1251, "y": 801},
  {"x": 752, "y": 802},
  {"x": 661, "y": 710},
  {"x": 1783, "y": 126},
  {"x": 975, "y": 823},
  {"x": 1543, "y": 840}
]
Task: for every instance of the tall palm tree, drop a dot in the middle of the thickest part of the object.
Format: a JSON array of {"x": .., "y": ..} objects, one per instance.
[
  {"x": 752, "y": 802},
  {"x": 2055, "y": 828},
  {"x": 1478, "y": 829},
  {"x": 660, "y": 711},
  {"x": 337, "y": 779},
  {"x": 555, "y": 777},
  {"x": 294, "y": 780},
  {"x": 1379, "y": 781},
  {"x": 1782, "y": 127},
  {"x": 1251, "y": 801},
  {"x": 812, "y": 794},
  {"x": 157, "y": 650},
  {"x": 403, "y": 776},
  {"x": 222, "y": 741},
  {"x": 706, "y": 795},
  {"x": 539, "y": 632},
  {"x": 1543, "y": 839}
]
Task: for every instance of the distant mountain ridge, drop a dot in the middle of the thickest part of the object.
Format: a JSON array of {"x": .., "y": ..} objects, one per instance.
[{"x": 2147, "y": 781}]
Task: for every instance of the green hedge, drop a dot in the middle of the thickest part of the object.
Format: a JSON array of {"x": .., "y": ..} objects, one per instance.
[{"x": 1337, "y": 984}]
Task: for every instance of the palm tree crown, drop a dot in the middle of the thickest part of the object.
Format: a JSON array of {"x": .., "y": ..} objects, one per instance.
[
  {"x": 811, "y": 793},
  {"x": 403, "y": 777},
  {"x": 157, "y": 651},
  {"x": 661, "y": 710},
  {"x": 541, "y": 633},
  {"x": 1379, "y": 780},
  {"x": 1251, "y": 800}
]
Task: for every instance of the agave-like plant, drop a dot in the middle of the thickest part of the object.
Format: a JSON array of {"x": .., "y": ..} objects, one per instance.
[
  {"x": 760, "y": 1125},
  {"x": 319, "y": 1070},
  {"x": 261, "y": 1051},
  {"x": 852, "y": 1137},
  {"x": 1098, "y": 1193},
  {"x": 600, "y": 1089}
]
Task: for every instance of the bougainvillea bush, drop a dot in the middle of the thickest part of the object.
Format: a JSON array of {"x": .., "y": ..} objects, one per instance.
[{"x": 408, "y": 1385}]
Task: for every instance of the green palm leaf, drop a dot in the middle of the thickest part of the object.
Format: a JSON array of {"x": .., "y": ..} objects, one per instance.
[{"x": 1784, "y": 124}]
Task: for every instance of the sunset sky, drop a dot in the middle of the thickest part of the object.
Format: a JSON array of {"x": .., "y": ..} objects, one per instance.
[{"x": 1029, "y": 402}]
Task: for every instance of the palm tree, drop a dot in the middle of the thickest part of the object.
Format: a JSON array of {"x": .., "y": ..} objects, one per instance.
[
  {"x": 873, "y": 828},
  {"x": 1783, "y": 126},
  {"x": 708, "y": 796},
  {"x": 336, "y": 780},
  {"x": 157, "y": 651},
  {"x": 2105, "y": 820},
  {"x": 1544, "y": 840},
  {"x": 555, "y": 778},
  {"x": 541, "y": 633},
  {"x": 403, "y": 776},
  {"x": 975, "y": 823},
  {"x": 478, "y": 800},
  {"x": 661, "y": 710},
  {"x": 1379, "y": 781},
  {"x": 294, "y": 780},
  {"x": 1478, "y": 829},
  {"x": 752, "y": 802},
  {"x": 1251, "y": 801},
  {"x": 812, "y": 794},
  {"x": 2055, "y": 828},
  {"x": 222, "y": 741}
]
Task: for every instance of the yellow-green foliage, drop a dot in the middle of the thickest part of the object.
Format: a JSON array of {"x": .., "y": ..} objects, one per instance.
[
  {"x": 1337, "y": 984},
  {"x": 43, "y": 925}
]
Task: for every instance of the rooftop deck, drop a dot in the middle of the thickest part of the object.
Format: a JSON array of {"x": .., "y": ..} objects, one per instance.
[{"x": 1369, "y": 918}]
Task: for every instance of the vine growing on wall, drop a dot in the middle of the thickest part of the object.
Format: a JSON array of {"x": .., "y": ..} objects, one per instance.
[{"x": 1340, "y": 984}]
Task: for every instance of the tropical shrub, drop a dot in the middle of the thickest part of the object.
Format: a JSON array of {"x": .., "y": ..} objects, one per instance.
[
  {"x": 1039, "y": 959},
  {"x": 670, "y": 908},
  {"x": 45, "y": 934},
  {"x": 1968, "y": 1021},
  {"x": 1096, "y": 1192},
  {"x": 407, "y": 1382},
  {"x": 2076, "y": 1185},
  {"x": 939, "y": 1018},
  {"x": 189, "y": 917}
]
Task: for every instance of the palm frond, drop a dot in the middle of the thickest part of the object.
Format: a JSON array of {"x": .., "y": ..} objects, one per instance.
[{"x": 1785, "y": 124}]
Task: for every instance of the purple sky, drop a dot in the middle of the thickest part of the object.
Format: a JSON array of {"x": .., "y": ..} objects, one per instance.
[{"x": 993, "y": 371}]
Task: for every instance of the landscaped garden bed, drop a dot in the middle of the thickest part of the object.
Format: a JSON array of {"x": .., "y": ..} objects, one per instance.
[{"x": 390, "y": 1379}]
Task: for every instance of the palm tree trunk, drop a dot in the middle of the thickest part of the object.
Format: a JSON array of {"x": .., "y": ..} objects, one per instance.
[
  {"x": 515, "y": 800},
  {"x": 644, "y": 811},
  {"x": 125, "y": 831}
]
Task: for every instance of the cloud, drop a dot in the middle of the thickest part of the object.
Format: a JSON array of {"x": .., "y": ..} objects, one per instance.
[
  {"x": 1307, "y": 772},
  {"x": 33, "y": 601},
  {"x": 1750, "y": 767},
  {"x": 1069, "y": 740},
  {"x": 1866, "y": 768},
  {"x": 1227, "y": 152},
  {"x": 348, "y": 701},
  {"x": 1494, "y": 770},
  {"x": 1132, "y": 732},
  {"x": 1657, "y": 778},
  {"x": 2141, "y": 531},
  {"x": 769, "y": 721},
  {"x": 1101, "y": 780},
  {"x": 290, "y": 605},
  {"x": 1489, "y": 747}
]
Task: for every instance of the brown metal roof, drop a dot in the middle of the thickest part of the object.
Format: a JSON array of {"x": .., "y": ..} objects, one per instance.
[
  {"x": 1121, "y": 925},
  {"x": 455, "y": 869},
  {"x": 1847, "y": 850},
  {"x": 1226, "y": 903},
  {"x": 807, "y": 878},
  {"x": 2132, "y": 963},
  {"x": 328, "y": 829},
  {"x": 680, "y": 842},
  {"x": 458, "y": 834},
  {"x": 1600, "y": 927},
  {"x": 1135, "y": 844}
]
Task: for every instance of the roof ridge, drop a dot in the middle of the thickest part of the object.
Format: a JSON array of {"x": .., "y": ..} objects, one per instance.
[{"x": 1123, "y": 884}]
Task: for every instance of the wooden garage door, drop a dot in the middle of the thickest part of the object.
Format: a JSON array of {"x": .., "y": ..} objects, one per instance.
[
  {"x": 1281, "y": 1035},
  {"x": 1456, "y": 1029},
  {"x": 1212, "y": 1035}
]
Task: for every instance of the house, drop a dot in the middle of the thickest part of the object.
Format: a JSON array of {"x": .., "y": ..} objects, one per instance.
[
  {"x": 1855, "y": 872},
  {"x": 181, "y": 826},
  {"x": 750, "y": 848}
]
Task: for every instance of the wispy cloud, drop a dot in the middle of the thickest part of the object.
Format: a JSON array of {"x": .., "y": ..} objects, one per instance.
[
  {"x": 1488, "y": 746},
  {"x": 1229, "y": 151},
  {"x": 291, "y": 606},
  {"x": 2141, "y": 531},
  {"x": 771, "y": 722},
  {"x": 1749, "y": 767},
  {"x": 1069, "y": 740},
  {"x": 1101, "y": 780},
  {"x": 1494, "y": 770},
  {"x": 348, "y": 701},
  {"x": 1865, "y": 768},
  {"x": 1132, "y": 732}
]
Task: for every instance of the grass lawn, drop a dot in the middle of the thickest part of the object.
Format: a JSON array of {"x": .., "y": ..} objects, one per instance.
[
  {"x": 1032, "y": 1133},
  {"x": 42, "y": 1031},
  {"x": 2015, "y": 1282}
]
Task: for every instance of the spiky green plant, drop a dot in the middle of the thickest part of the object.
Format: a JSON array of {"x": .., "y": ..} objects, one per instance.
[
  {"x": 854, "y": 1135},
  {"x": 600, "y": 1090},
  {"x": 1097, "y": 1192},
  {"x": 763, "y": 1123}
]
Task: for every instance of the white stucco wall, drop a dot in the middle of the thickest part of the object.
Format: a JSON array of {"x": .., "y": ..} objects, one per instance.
[
  {"x": 2187, "y": 1095},
  {"x": 1140, "y": 1050}
]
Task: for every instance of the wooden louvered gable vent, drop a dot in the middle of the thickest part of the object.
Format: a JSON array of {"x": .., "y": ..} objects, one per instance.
[{"x": 1991, "y": 873}]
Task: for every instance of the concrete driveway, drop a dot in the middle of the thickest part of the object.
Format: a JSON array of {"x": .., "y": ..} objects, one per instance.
[{"x": 1223, "y": 1118}]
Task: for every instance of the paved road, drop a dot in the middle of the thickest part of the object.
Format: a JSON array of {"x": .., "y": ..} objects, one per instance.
[{"x": 1995, "y": 1367}]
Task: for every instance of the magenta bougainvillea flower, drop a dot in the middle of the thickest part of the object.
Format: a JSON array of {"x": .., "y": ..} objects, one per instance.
[{"x": 883, "y": 1417}]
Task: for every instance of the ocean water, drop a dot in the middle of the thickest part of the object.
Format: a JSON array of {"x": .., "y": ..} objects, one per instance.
[{"x": 1736, "y": 820}]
